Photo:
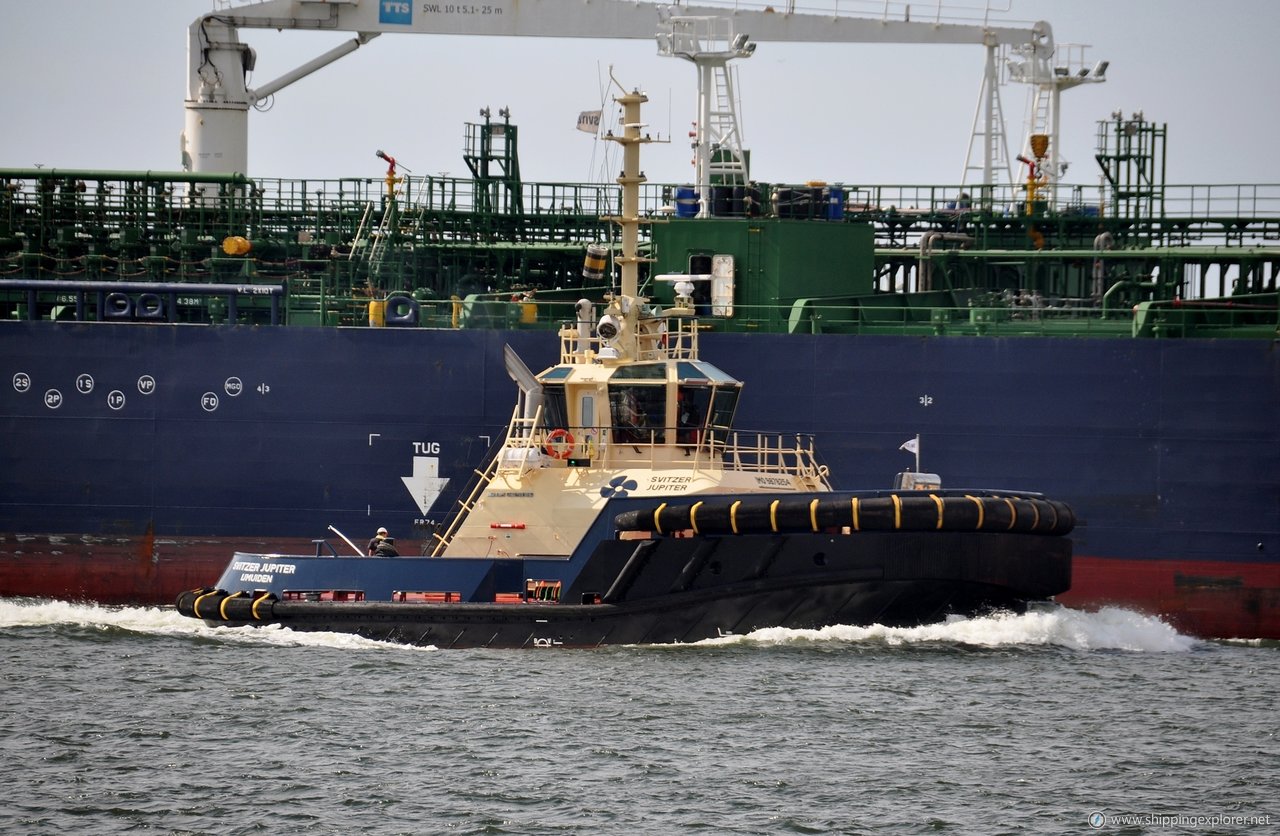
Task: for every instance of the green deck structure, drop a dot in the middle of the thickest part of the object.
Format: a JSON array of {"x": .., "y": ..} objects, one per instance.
[{"x": 1132, "y": 257}]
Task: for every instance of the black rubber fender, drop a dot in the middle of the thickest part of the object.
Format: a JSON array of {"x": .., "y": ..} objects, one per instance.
[
  {"x": 186, "y": 600},
  {"x": 235, "y": 607},
  {"x": 248, "y": 606},
  {"x": 208, "y": 604},
  {"x": 913, "y": 511}
]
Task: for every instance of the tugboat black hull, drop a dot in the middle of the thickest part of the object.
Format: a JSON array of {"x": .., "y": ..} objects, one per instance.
[{"x": 674, "y": 589}]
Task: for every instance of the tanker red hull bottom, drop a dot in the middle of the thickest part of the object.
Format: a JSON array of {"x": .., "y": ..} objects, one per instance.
[{"x": 1209, "y": 599}]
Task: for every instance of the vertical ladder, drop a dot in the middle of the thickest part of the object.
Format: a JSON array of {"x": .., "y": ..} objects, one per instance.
[
  {"x": 1039, "y": 116},
  {"x": 727, "y": 165},
  {"x": 987, "y": 157}
]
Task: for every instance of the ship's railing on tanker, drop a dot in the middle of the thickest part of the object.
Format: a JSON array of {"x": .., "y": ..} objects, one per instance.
[
  {"x": 164, "y": 214},
  {"x": 444, "y": 209},
  {"x": 1226, "y": 214},
  {"x": 1127, "y": 311},
  {"x": 1222, "y": 201},
  {"x": 425, "y": 200}
]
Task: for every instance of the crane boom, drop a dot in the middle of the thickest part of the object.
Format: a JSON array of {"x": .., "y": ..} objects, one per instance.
[
  {"x": 216, "y": 135},
  {"x": 606, "y": 19}
]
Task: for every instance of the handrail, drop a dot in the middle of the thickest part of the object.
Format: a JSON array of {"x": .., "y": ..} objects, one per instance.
[
  {"x": 436, "y": 194},
  {"x": 746, "y": 452},
  {"x": 677, "y": 339}
]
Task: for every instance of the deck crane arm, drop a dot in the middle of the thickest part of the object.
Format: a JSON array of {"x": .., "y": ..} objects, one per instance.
[{"x": 215, "y": 138}]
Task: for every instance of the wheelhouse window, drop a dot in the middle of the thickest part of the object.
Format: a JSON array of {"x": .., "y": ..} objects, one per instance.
[
  {"x": 554, "y": 413},
  {"x": 723, "y": 404},
  {"x": 692, "y": 405},
  {"x": 638, "y": 413}
]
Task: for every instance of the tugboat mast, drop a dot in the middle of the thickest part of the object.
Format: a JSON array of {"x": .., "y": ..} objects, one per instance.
[
  {"x": 624, "y": 322},
  {"x": 630, "y": 180}
]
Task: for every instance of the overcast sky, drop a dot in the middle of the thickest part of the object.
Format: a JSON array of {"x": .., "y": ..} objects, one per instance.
[{"x": 101, "y": 85}]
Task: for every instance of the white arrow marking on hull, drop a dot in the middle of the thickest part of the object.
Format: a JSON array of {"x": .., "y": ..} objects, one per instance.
[{"x": 425, "y": 485}]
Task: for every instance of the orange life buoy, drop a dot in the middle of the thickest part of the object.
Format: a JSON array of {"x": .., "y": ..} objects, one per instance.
[{"x": 559, "y": 444}]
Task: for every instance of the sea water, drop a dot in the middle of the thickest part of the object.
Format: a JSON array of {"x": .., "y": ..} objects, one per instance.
[{"x": 136, "y": 720}]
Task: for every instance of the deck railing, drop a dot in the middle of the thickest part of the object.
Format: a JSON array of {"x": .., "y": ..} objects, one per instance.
[
  {"x": 176, "y": 208},
  {"x": 670, "y": 338},
  {"x": 658, "y": 448}
]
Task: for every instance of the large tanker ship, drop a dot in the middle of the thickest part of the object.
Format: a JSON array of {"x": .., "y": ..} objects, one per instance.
[{"x": 197, "y": 363}]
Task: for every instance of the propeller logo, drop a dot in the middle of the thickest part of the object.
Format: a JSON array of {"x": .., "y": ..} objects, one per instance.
[{"x": 618, "y": 487}]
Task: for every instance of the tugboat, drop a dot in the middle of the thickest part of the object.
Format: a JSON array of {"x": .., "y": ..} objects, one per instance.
[{"x": 623, "y": 508}]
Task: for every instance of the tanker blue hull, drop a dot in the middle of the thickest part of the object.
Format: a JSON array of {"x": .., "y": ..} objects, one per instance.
[{"x": 137, "y": 458}]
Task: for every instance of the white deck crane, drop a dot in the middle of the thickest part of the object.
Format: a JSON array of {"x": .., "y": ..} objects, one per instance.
[{"x": 215, "y": 138}]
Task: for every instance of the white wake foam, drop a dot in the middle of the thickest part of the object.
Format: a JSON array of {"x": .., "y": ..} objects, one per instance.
[
  {"x": 1110, "y": 628},
  {"x": 1107, "y": 629},
  {"x": 156, "y": 621}
]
